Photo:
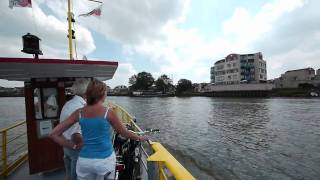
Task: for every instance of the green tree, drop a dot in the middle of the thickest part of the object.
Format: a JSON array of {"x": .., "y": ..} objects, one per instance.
[
  {"x": 184, "y": 85},
  {"x": 163, "y": 83},
  {"x": 132, "y": 82},
  {"x": 141, "y": 81}
]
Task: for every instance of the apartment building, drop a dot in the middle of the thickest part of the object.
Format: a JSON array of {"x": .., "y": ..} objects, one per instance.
[
  {"x": 212, "y": 75},
  {"x": 239, "y": 68}
]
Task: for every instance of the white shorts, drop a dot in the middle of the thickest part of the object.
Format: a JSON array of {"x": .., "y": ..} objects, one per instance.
[{"x": 96, "y": 169}]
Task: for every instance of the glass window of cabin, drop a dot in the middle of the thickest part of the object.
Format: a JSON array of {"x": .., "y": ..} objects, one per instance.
[
  {"x": 37, "y": 103},
  {"x": 46, "y": 103},
  {"x": 50, "y": 102}
]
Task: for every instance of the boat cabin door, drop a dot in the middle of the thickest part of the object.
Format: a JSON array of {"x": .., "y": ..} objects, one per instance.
[{"x": 44, "y": 99}]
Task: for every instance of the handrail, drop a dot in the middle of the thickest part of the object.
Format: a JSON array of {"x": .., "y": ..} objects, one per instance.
[
  {"x": 160, "y": 155},
  {"x": 6, "y": 166},
  {"x": 13, "y": 126},
  {"x": 129, "y": 117}
]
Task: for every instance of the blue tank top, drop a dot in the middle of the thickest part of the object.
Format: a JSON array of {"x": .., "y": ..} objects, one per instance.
[{"x": 97, "y": 137}]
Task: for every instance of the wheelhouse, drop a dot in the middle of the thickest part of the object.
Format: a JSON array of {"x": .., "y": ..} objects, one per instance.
[{"x": 45, "y": 85}]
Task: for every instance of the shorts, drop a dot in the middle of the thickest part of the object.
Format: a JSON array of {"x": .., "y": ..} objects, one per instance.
[
  {"x": 96, "y": 169},
  {"x": 70, "y": 162}
]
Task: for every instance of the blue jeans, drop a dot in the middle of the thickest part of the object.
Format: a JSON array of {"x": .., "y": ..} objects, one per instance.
[{"x": 70, "y": 162}]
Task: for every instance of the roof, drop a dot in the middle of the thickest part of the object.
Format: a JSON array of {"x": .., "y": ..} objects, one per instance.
[
  {"x": 309, "y": 68},
  {"x": 220, "y": 61},
  {"x": 23, "y": 69}
]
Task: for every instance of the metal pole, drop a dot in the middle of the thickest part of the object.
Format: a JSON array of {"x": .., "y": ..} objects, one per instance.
[
  {"x": 4, "y": 152},
  {"x": 70, "y": 31}
]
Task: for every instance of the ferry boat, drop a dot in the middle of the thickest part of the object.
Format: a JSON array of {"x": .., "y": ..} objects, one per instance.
[
  {"x": 46, "y": 83},
  {"x": 150, "y": 93}
]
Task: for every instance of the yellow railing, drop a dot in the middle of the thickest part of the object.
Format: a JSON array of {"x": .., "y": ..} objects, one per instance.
[
  {"x": 12, "y": 157},
  {"x": 160, "y": 155}
]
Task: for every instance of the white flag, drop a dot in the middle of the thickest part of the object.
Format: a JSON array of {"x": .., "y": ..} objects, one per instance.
[
  {"x": 19, "y": 3},
  {"x": 94, "y": 12}
]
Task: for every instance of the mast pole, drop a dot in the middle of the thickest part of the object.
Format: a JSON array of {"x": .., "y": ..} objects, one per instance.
[{"x": 70, "y": 30}]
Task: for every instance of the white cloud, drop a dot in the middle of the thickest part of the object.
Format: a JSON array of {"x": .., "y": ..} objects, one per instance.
[
  {"x": 285, "y": 31},
  {"x": 121, "y": 77},
  {"x": 247, "y": 28},
  {"x": 294, "y": 40},
  {"x": 52, "y": 31},
  {"x": 188, "y": 54},
  {"x": 126, "y": 22}
]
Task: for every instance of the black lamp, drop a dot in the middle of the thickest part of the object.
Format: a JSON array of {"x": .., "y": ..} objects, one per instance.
[{"x": 31, "y": 45}]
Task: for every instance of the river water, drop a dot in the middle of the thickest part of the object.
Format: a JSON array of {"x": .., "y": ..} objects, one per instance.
[{"x": 226, "y": 138}]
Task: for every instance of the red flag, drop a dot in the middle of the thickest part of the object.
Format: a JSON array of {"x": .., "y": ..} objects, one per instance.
[
  {"x": 19, "y": 3},
  {"x": 95, "y": 12}
]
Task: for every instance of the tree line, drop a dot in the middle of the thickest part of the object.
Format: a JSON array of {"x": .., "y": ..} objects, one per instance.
[{"x": 145, "y": 81}]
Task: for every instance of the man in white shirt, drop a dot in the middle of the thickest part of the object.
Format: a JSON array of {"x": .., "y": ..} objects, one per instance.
[{"x": 79, "y": 88}]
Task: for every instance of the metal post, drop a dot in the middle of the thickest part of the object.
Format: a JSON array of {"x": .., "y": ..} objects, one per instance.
[
  {"x": 4, "y": 152},
  {"x": 70, "y": 30}
]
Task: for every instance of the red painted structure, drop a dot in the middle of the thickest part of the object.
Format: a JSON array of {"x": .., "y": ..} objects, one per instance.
[{"x": 45, "y": 83}]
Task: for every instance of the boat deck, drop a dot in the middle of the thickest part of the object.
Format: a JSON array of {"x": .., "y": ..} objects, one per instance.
[{"x": 22, "y": 172}]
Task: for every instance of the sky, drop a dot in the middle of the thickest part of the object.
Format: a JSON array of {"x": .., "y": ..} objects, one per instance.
[{"x": 180, "y": 38}]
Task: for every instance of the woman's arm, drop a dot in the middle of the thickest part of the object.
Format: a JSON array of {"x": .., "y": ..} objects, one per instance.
[
  {"x": 56, "y": 133},
  {"x": 121, "y": 129}
]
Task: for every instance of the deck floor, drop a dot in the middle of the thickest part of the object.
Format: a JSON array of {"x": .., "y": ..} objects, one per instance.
[{"x": 22, "y": 173}]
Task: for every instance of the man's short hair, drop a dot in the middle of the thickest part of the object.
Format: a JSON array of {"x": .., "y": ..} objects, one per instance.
[{"x": 79, "y": 87}]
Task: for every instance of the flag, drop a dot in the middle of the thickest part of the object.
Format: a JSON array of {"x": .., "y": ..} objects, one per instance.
[
  {"x": 19, "y": 3},
  {"x": 95, "y": 12}
]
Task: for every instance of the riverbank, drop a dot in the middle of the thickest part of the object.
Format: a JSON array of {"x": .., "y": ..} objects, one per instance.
[{"x": 292, "y": 92}]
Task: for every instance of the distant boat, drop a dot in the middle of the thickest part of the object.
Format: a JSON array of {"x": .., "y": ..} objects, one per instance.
[
  {"x": 314, "y": 94},
  {"x": 150, "y": 93}
]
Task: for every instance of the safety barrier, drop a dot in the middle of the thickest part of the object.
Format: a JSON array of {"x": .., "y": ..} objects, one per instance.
[
  {"x": 163, "y": 160},
  {"x": 13, "y": 148}
]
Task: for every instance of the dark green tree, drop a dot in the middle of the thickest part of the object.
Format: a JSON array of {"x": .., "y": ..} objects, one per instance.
[
  {"x": 141, "y": 81},
  {"x": 163, "y": 83},
  {"x": 184, "y": 85},
  {"x": 132, "y": 82}
]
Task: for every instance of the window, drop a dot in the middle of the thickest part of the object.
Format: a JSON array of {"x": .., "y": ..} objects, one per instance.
[
  {"x": 46, "y": 103},
  {"x": 220, "y": 67},
  {"x": 50, "y": 102},
  {"x": 234, "y": 64},
  {"x": 37, "y": 103}
]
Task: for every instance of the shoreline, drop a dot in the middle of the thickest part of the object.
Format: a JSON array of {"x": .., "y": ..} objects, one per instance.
[{"x": 274, "y": 93}]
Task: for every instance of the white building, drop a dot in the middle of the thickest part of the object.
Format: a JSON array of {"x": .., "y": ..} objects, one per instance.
[
  {"x": 237, "y": 68},
  {"x": 120, "y": 89},
  {"x": 201, "y": 87}
]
